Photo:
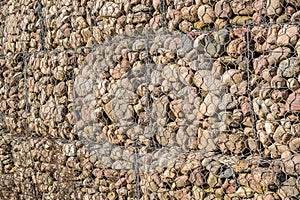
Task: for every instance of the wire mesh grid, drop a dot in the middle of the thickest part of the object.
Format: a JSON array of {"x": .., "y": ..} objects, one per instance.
[{"x": 150, "y": 99}]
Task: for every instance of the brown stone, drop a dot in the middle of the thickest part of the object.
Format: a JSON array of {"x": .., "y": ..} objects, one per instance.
[
  {"x": 293, "y": 84},
  {"x": 294, "y": 145},
  {"x": 281, "y": 135},
  {"x": 279, "y": 95},
  {"x": 245, "y": 192},
  {"x": 210, "y": 105},
  {"x": 206, "y": 141},
  {"x": 236, "y": 47},
  {"x": 110, "y": 9},
  {"x": 60, "y": 89},
  {"x": 241, "y": 20},
  {"x": 278, "y": 82}
]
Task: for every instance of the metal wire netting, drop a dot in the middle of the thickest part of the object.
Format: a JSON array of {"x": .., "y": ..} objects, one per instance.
[{"x": 150, "y": 99}]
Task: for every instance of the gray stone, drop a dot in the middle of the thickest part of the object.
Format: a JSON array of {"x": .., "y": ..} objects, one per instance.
[
  {"x": 215, "y": 43},
  {"x": 83, "y": 86},
  {"x": 70, "y": 149},
  {"x": 199, "y": 43},
  {"x": 122, "y": 164},
  {"x": 227, "y": 173},
  {"x": 139, "y": 45},
  {"x": 289, "y": 68},
  {"x": 185, "y": 47}
]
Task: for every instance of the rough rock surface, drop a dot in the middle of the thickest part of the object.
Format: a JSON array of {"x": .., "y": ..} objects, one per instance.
[{"x": 149, "y": 99}]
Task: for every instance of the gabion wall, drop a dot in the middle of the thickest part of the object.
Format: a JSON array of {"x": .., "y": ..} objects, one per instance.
[{"x": 140, "y": 99}]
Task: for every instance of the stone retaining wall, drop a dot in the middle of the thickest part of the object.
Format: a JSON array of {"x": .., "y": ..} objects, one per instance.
[{"x": 144, "y": 99}]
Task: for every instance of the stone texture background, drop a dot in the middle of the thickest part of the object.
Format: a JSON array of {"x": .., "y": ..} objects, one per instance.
[{"x": 215, "y": 83}]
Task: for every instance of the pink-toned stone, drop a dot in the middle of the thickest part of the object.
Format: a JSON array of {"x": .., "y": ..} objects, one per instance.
[
  {"x": 185, "y": 26},
  {"x": 156, "y": 22},
  {"x": 240, "y": 33},
  {"x": 155, "y": 4},
  {"x": 120, "y": 182},
  {"x": 223, "y": 9},
  {"x": 229, "y": 186},
  {"x": 30, "y": 84},
  {"x": 273, "y": 34},
  {"x": 206, "y": 14},
  {"x": 242, "y": 7},
  {"x": 257, "y": 17},
  {"x": 274, "y": 7},
  {"x": 291, "y": 165},
  {"x": 181, "y": 181},
  {"x": 258, "y": 5},
  {"x": 289, "y": 10},
  {"x": 259, "y": 64},
  {"x": 277, "y": 55},
  {"x": 288, "y": 35},
  {"x": 293, "y": 101},
  {"x": 174, "y": 14},
  {"x": 190, "y": 13},
  {"x": 196, "y": 177}
]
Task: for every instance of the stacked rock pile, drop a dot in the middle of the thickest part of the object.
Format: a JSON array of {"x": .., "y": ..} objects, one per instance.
[
  {"x": 150, "y": 99},
  {"x": 20, "y": 27}
]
